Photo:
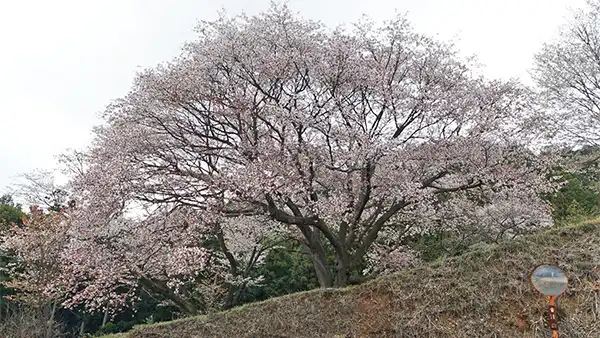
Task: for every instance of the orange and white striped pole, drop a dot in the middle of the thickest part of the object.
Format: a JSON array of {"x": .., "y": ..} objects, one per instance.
[{"x": 552, "y": 320}]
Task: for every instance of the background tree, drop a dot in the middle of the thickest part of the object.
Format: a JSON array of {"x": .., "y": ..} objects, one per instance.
[
  {"x": 10, "y": 212},
  {"x": 10, "y": 215},
  {"x": 36, "y": 246},
  {"x": 567, "y": 71},
  {"x": 578, "y": 174},
  {"x": 39, "y": 187}
]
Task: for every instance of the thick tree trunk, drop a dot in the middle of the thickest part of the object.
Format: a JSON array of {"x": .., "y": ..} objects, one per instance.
[
  {"x": 315, "y": 229},
  {"x": 341, "y": 278},
  {"x": 322, "y": 271},
  {"x": 230, "y": 298},
  {"x": 234, "y": 294},
  {"x": 319, "y": 260}
]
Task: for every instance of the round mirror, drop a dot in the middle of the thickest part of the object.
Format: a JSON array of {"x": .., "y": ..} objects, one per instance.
[{"x": 549, "y": 280}]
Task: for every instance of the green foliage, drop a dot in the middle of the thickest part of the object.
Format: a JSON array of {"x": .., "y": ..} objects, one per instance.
[
  {"x": 10, "y": 212},
  {"x": 120, "y": 326},
  {"x": 8, "y": 200},
  {"x": 577, "y": 199},
  {"x": 579, "y": 196},
  {"x": 287, "y": 269}
]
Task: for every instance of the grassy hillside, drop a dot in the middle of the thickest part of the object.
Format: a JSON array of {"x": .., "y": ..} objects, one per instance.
[{"x": 484, "y": 293}]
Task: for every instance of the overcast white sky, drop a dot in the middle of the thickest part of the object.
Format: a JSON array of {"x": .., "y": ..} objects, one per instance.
[{"x": 62, "y": 61}]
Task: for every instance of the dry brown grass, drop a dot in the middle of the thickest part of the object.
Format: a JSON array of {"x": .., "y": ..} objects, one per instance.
[
  {"x": 484, "y": 293},
  {"x": 28, "y": 323}
]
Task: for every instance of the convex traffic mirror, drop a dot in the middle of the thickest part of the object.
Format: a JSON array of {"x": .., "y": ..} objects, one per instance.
[{"x": 549, "y": 280}]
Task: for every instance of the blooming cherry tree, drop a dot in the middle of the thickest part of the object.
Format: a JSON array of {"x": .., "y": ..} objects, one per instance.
[
  {"x": 36, "y": 246},
  {"x": 341, "y": 138},
  {"x": 101, "y": 260}
]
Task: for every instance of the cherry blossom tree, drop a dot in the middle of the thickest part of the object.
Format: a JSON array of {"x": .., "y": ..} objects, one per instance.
[
  {"x": 343, "y": 138},
  {"x": 67, "y": 258},
  {"x": 194, "y": 258},
  {"x": 35, "y": 247},
  {"x": 567, "y": 70},
  {"x": 92, "y": 254}
]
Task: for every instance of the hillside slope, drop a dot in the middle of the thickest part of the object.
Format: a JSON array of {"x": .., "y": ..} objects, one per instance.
[{"x": 484, "y": 293}]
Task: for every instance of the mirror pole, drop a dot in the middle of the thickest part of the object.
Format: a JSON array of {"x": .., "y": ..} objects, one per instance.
[{"x": 552, "y": 321}]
